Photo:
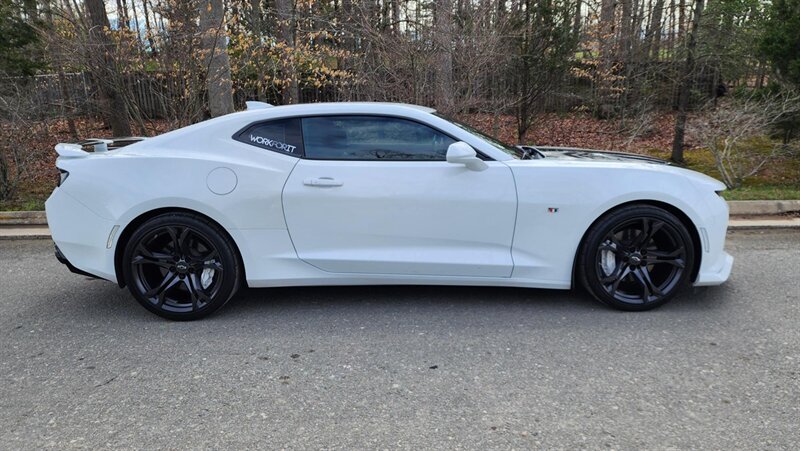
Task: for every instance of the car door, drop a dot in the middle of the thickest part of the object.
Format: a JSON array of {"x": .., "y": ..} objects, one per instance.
[{"x": 374, "y": 195}]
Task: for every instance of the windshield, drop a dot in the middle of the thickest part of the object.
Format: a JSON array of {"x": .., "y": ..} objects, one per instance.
[{"x": 500, "y": 145}]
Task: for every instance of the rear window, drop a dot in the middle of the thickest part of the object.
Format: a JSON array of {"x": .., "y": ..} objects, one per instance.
[{"x": 282, "y": 136}]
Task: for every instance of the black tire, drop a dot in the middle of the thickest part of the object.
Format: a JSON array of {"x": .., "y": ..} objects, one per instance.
[
  {"x": 636, "y": 258},
  {"x": 181, "y": 266}
]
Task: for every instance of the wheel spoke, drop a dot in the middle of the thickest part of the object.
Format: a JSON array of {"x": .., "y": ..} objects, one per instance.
[
  {"x": 674, "y": 258},
  {"x": 170, "y": 280},
  {"x": 626, "y": 235},
  {"x": 196, "y": 291},
  {"x": 649, "y": 229},
  {"x": 612, "y": 282},
  {"x": 215, "y": 265},
  {"x": 607, "y": 247},
  {"x": 624, "y": 273},
  {"x": 642, "y": 275},
  {"x": 161, "y": 260},
  {"x": 183, "y": 243},
  {"x": 174, "y": 239},
  {"x": 143, "y": 250},
  {"x": 617, "y": 274},
  {"x": 211, "y": 255},
  {"x": 614, "y": 240}
]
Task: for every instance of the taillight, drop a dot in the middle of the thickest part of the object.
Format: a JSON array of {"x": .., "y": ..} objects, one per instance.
[{"x": 62, "y": 176}]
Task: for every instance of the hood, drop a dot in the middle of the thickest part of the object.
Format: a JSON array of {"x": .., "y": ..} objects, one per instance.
[
  {"x": 568, "y": 153},
  {"x": 573, "y": 154}
]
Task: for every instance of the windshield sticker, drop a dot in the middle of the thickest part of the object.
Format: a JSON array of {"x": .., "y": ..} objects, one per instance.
[{"x": 272, "y": 143}]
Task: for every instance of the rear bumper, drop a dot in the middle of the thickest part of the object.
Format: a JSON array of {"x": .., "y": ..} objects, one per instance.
[
  {"x": 63, "y": 260},
  {"x": 80, "y": 236}
]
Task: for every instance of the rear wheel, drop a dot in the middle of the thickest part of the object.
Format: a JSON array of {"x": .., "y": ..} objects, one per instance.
[
  {"x": 636, "y": 258},
  {"x": 180, "y": 266}
]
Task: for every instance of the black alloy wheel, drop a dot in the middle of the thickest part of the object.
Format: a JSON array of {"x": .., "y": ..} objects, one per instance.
[
  {"x": 637, "y": 258},
  {"x": 180, "y": 266}
]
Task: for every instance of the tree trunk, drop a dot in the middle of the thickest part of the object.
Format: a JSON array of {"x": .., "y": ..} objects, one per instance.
[
  {"x": 284, "y": 9},
  {"x": 135, "y": 16},
  {"x": 607, "y": 31},
  {"x": 218, "y": 73},
  {"x": 62, "y": 83},
  {"x": 576, "y": 20},
  {"x": 654, "y": 41},
  {"x": 122, "y": 15},
  {"x": 103, "y": 68},
  {"x": 148, "y": 31},
  {"x": 396, "y": 16},
  {"x": 444, "y": 56},
  {"x": 626, "y": 30},
  {"x": 685, "y": 87},
  {"x": 30, "y": 10},
  {"x": 256, "y": 18}
]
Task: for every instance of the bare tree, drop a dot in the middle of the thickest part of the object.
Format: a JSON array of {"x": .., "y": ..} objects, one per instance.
[
  {"x": 214, "y": 45},
  {"x": 443, "y": 36},
  {"x": 19, "y": 120},
  {"x": 104, "y": 67},
  {"x": 686, "y": 84},
  {"x": 286, "y": 26},
  {"x": 736, "y": 132}
]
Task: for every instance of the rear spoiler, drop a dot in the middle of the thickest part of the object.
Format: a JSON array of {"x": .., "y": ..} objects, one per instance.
[{"x": 97, "y": 145}]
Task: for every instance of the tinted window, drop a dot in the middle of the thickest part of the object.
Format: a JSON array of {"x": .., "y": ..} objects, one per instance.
[
  {"x": 279, "y": 136},
  {"x": 372, "y": 138}
]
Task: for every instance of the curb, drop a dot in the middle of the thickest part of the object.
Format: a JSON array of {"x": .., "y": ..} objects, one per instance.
[
  {"x": 764, "y": 224},
  {"x": 17, "y": 218},
  {"x": 762, "y": 207},
  {"x": 24, "y": 232}
]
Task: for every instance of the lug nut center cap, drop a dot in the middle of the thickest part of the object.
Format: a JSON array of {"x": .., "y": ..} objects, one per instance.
[{"x": 182, "y": 267}]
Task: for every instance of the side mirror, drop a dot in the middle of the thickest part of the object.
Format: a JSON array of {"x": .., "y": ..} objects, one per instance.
[{"x": 462, "y": 153}]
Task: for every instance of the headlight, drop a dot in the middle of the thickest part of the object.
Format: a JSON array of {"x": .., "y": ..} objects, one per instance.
[{"x": 62, "y": 176}]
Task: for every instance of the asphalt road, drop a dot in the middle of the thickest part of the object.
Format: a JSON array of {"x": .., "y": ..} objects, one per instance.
[{"x": 82, "y": 365}]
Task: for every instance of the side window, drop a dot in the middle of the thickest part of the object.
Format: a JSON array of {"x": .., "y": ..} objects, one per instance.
[
  {"x": 282, "y": 136},
  {"x": 372, "y": 138}
]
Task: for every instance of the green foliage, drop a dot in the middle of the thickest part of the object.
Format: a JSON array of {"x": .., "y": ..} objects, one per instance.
[
  {"x": 781, "y": 41},
  {"x": 729, "y": 35},
  {"x": 19, "y": 42}
]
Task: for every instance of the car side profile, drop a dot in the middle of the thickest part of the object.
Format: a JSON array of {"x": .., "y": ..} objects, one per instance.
[{"x": 376, "y": 193}]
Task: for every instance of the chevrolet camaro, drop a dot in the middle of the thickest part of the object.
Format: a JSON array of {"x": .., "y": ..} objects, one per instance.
[{"x": 376, "y": 193}]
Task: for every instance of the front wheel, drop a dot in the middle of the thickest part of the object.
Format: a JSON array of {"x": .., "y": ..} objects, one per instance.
[
  {"x": 636, "y": 258},
  {"x": 180, "y": 266}
]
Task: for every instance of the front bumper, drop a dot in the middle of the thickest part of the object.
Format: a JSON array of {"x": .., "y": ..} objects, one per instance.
[
  {"x": 718, "y": 275},
  {"x": 715, "y": 263}
]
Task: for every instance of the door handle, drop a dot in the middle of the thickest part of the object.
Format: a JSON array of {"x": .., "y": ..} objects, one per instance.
[{"x": 322, "y": 181}]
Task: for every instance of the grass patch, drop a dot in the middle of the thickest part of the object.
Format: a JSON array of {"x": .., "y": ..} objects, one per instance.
[
  {"x": 31, "y": 204},
  {"x": 30, "y": 197},
  {"x": 763, "y": 192}
]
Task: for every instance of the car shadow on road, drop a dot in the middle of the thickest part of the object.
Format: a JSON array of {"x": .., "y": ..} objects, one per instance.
[
  {"x": 435, "y": 298},
  {"x": 106, "y": 301}
]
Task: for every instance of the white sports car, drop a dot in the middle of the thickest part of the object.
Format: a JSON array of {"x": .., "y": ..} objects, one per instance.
[{"x": 372, "y": 193}]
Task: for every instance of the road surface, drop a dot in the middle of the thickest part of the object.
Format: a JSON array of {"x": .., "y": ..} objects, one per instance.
[{"x": 83, "y": 366}]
